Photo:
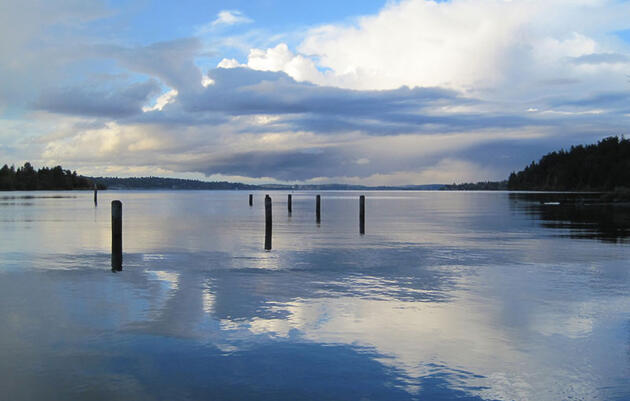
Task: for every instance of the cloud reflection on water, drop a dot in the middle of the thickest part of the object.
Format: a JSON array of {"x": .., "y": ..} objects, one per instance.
[{"x": 518, "y": 316}]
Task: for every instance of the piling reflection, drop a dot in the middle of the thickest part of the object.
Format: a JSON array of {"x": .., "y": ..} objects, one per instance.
[{"x": 268, "y": 237}]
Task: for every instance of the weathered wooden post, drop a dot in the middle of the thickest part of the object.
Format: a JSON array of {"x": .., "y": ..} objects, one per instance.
[
  {"x": 318, "y": 214},
  {"x": 95, "y": 194},
  {"x": 251, "y": 199},
  {"x": 268, "y": 223},
  {"x": 362, "y": 214},
  {"x": 117, "y": 235},
  {"x": 289, "y": 205}
]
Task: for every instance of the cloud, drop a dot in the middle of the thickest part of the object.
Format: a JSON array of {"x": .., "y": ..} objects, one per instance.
[
  {"x": 280, "y": 58},
  {"x": 230, "y": 17},
  {"x": 422, "y": 90},
  {"x": 36, "y": 33},
  {"x": 172, "y": 62},
  {"x": 264, "y": 124},
  {"x": 601, "y": 58},
  {"x": 115, "y": 103},
  {"x": 162, "y": 101},
  {"x": 247, "y": 91},
  {"x": 489, "y": 48}
]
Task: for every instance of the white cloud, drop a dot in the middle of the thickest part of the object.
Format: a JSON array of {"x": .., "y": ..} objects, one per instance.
[
  {"x": 162, "y": 101},
  {"x": 280, "y": 58},
  {"x": 229, "y": 63},
  {"x": 231, "y": 17},
  {"x": 225, "y": 18},
  {"x": 474, "y": 46}
]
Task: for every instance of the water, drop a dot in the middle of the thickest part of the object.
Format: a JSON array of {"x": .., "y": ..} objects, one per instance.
[{"x": 449, "y": 295}]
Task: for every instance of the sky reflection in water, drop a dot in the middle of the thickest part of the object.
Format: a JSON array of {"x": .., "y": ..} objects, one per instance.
[{"x": 448, "y": 296}]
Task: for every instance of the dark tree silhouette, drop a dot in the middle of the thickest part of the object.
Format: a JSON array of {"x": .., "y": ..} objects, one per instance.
[
  {"x": 26, "y": 178},
  {"x": 604, "y": 166}
]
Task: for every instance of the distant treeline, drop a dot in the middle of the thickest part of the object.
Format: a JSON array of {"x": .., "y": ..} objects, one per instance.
[
  {"x": 177, "y": 183},
  {"x": 478, "y": 186},
  {"x": 26, "y": 178},
  {"x": 166, "y": 183},
  {"x": 604, "y": 166}
]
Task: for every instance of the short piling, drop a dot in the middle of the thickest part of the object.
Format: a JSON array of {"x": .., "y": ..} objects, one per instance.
[
  {"x": 251, "y": 199},
  {"x": 95, "y": 195},
  {"x": 289, "y": 204},
  {"x": 318, "y": 209},
  {"x": 362, "y": 214},
  {"x": 117, "y": 256},
  {"x": 268, "y": 223}
]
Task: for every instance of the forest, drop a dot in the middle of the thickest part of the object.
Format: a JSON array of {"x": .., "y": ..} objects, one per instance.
[
  {"x": 26, "y": 178},
  {"x": 604, "y": 166}
]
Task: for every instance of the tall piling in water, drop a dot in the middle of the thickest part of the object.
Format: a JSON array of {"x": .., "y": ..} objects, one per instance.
[
  {"x": 289, "y": 204},
  {"x": 318, "y": 209},
  {"x": 95, "y": 195},
  {"x": 117, "y": 257},
  {"x": 268, "y": 223},
  {"x": 362, "y": 214},
  {"x": 251, "y": 199}
]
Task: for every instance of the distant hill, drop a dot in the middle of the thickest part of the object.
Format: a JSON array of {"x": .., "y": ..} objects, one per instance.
[
  {"x": 166, "y": 183},
  {"x": 181, "y": 184},
  {"x": 604, "y": 166}
]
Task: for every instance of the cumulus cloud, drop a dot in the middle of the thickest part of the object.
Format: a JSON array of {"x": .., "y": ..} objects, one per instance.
[{"x": 490, "y": 47}]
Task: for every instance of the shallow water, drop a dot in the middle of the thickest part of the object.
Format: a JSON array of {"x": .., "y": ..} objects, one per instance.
[{"x": 449, "y": 295}]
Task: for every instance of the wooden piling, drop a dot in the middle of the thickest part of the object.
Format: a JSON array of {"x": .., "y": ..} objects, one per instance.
[
  {"x": 362, "y": 214},
  {"x": 117, "y": 256},
  {"x": 95, "y": 194},
  {"x": 268, "y": 223},
  {"x": 318, "y": 214},
  {"x": 251, "y": 199},
  {"x": 289, "y": 204}
]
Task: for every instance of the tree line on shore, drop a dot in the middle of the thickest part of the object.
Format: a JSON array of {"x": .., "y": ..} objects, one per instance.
[
  {"x": 26, "y": 178},
  {"x": 604, "y": 166},
  {"x": 600, "y": 167}
]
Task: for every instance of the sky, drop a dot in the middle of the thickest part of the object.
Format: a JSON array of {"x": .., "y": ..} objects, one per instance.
[{"x": 276, "y": 91}]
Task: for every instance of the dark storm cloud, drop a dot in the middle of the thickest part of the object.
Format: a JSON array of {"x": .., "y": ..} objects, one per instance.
[
  {"x": 283, "y": 165},
  {"x": 304, "y": 106},
  {"x": 113, "y": 103},
  {"x": 311, "y": 162},
  {"x": 241, "y": 91},
  {"x": 396, "y": 123}
]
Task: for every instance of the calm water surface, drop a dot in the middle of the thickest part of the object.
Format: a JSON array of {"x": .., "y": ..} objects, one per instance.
[{"x": 471, "y": 296}]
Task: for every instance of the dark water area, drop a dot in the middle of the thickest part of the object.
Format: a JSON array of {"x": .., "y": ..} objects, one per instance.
[
  {"x": 580, "y": 215},
  {"x": 447, "y": 296}
]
